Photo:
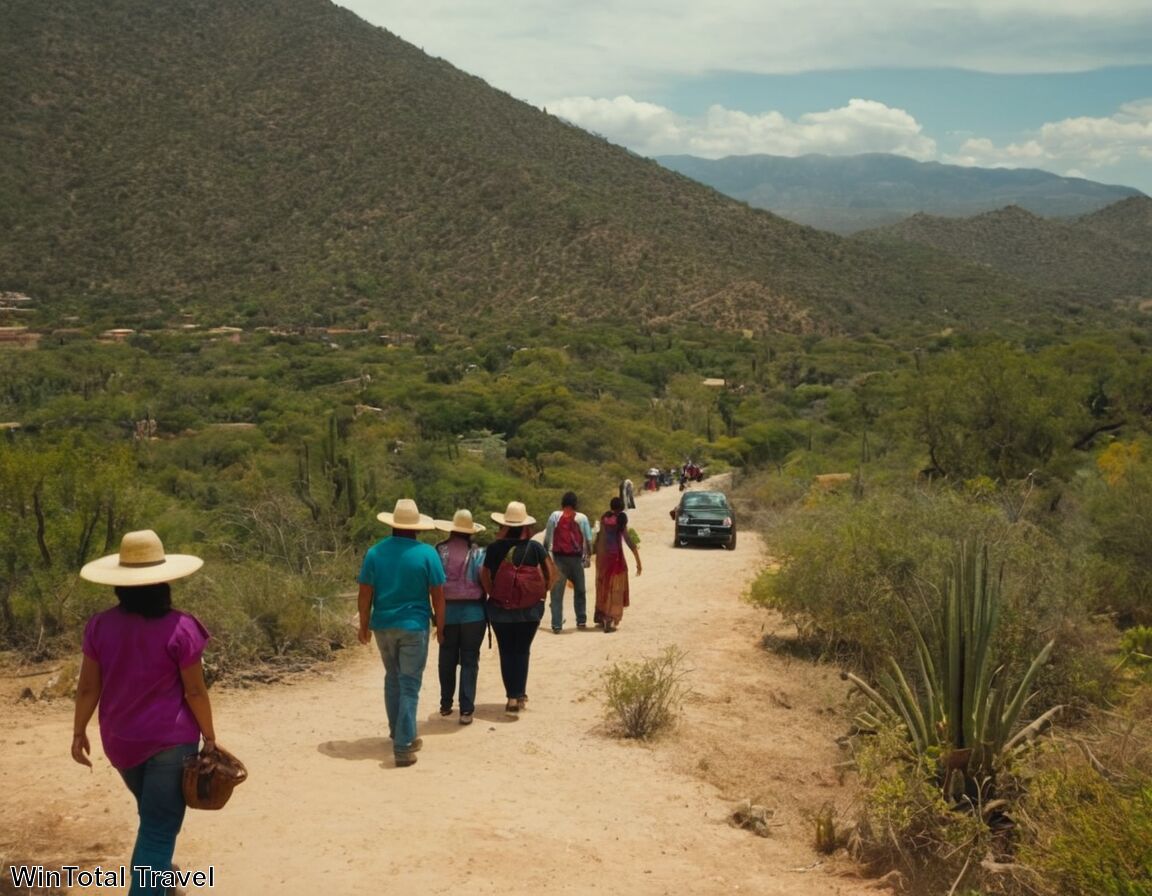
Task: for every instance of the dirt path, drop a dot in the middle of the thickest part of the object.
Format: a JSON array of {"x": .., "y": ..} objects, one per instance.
[{"x": 544, "y": 803}]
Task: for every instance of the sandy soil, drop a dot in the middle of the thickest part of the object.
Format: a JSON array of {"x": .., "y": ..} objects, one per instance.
[{"x": 548, "y": 802}]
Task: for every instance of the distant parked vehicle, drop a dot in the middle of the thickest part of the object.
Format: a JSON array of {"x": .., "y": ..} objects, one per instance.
[{"x": 704, "y": 518}]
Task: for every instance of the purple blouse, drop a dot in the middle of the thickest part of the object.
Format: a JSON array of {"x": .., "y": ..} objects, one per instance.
[{"x": 142, "y": 706}]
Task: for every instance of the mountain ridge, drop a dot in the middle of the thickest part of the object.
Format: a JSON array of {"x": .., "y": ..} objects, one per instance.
[
  {"x": 1104, "y": 255},
  {"x": 845, "y": 194},
  {"x": 272, "y": 161}
]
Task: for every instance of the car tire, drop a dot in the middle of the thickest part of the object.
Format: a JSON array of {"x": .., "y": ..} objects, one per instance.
[
  {"x": 681, "y": 542},
  {"x": 730, "y": 544}
]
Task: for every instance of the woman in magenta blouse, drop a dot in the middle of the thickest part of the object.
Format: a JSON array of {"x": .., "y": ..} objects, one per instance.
[{"x": 142, "y": 667}]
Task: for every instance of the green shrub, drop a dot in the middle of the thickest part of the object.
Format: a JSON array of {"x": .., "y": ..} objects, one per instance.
[
  {"x": 1087, "y": 836},
  {"x": 644, "y": 697},
  {"x": 906, "y": 824}
]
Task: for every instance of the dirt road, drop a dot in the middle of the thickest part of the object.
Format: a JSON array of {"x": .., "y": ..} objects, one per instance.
[{"x": 544, "y": 803}]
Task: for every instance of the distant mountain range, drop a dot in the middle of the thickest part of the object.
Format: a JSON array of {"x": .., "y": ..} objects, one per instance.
[
  {"x": 284, "y": 162},
  {"x": 845, "y": 194},
  {"x": 1104, "y": 255}
]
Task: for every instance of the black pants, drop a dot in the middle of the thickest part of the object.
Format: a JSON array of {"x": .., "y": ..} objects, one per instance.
[
  {"x": 461, "y": 648},
  {"x": 514, "y": 639}
]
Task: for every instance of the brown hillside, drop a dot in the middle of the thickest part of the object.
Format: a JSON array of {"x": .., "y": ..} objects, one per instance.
[
  {"x": 1103, "y": 256},
  {"x": 275, "y": 161}
]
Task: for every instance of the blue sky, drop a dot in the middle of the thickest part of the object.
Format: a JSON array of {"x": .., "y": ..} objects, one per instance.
[{"x": 1063, "y": 85}]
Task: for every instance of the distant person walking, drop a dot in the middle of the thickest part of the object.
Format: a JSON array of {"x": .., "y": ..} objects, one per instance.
[
  {"x": 612, "y": 566},
  {"x": 464, "y": 617},
  {"x": 628, "y": 494},
  {"x": 516, "y": 575},
  {"x": 401, "y": 588},
  {"x": 142, "y": 667},
  {"x": 568, "y": 536}
]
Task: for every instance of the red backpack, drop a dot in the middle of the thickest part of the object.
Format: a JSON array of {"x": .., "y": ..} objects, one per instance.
[
  {"x": 518, "y": 586},
  {"x": 567, "y": 537}
]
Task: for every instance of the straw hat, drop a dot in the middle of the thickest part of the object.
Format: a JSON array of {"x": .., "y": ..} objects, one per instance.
[
  {"x": 460, "y": 522},
  {"x": 406, "y": 515},
  {"x": 141, "y": 561},
  {"x": 515, "y": 515}
]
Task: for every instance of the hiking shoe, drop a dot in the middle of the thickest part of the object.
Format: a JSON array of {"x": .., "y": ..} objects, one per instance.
[
  {"x": 581, "y": 625},
  {"x": 556, "y": 631},
  {"x": 465, "y": 718},
  {"x": 445, "y": 711},
  {"x": 512, "y": 707},
  {"x": 403, "y": 760},
  {"x": 522, "y": 702},
  {"x": 415, "y": 746}
]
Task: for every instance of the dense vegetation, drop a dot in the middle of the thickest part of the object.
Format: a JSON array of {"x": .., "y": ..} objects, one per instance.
[{"x": 281, "y": 162}]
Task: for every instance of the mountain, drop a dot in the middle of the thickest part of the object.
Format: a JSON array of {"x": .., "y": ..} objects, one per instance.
[
  {"x": 283, "y": 162},
  {"x": 844, "y": 194},
  {"x": 1102, "y": 256}
]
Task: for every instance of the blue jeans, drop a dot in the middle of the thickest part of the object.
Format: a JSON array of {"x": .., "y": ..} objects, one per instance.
[
  {"x": 405, "y": 653},
  {"x": 461, "y": 647},
  {"x": 160, "y": 802},
  {"x": 569, "y": 568}
]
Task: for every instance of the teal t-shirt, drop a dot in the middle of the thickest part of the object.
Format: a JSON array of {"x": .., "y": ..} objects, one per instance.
[{"x": 400, "y": 571}]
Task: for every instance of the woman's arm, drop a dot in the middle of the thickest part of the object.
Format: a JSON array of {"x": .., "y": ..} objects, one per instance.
[
  {"x": 196, "y": 693},
  {"x": 87, "y": 697},
  {"x": 635, "y": 551}
]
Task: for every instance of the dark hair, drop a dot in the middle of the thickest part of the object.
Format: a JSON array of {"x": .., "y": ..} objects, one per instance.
[
  {"x": 616, "y": 504},
  {"x": 514, "y": 532},
  {"x": 149, "y": 601},
  {"x": 569, "y": 500}
]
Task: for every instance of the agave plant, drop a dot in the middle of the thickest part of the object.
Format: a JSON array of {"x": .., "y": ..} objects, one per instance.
[{"x": 962, "y": 709}]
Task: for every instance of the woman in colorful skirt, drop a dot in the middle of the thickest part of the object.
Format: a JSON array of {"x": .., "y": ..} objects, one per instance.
[{"x": 611, "y": 566}]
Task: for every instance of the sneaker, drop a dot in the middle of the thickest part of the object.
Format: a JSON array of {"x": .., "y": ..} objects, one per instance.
[
  {"x": 403, "y": 760},
  {"x": 512, "y": 707},
  {"x": 522, "y": 702},
  {"x": 556, "y": 631},
  {"x": 465, "y": 718},
  {"x": 581, "y": 625},
  {"x": 445, "y": 711},
  {"x": 415, "y": 746}
]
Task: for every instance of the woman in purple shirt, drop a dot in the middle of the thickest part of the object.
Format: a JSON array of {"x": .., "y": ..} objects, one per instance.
[{"x": 142, "y": 667}]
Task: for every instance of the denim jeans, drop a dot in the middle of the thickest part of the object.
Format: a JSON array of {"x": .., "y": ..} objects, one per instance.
[
  {"x": 461, "y": 647},
  {"x": 405, "y": 653},
  {"x": 160, "y": 803},
  {"x": 569, "y": 568},
  {"x": 515, "y": 642}
]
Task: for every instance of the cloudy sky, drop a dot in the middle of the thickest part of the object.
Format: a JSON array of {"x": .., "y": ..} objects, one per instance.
[{"x": 1063, "y": 85}]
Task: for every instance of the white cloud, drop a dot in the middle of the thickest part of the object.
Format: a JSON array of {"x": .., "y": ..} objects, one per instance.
[
  {"x": 1074, "y": 144},
  {"x": 649, "y": 129}
]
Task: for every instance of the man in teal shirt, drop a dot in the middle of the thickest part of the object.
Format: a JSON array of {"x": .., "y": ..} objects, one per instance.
[{"x": 401, "y": 590}]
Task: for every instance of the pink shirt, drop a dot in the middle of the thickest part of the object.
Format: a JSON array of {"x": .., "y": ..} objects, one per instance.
[{"x": 142, "y": 706}]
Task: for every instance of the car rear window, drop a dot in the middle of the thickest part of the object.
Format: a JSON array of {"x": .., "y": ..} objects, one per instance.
[{"x": 705, "y": 501}]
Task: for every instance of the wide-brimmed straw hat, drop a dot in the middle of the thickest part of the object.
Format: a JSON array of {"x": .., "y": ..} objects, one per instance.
[
  {"x": 516, "y": 514},
  {"x": 141, "y": 561},
  {"x": 461, "y": 522},
  {"x": 406, "y": 515}
]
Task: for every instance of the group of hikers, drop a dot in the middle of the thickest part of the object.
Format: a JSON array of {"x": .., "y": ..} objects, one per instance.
[{"x": 142, "y": 659}]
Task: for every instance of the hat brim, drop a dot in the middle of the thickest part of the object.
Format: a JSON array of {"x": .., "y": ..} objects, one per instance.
[
  {"x": 109, "y": 571},
  {"x": 503, "y": 521},
  {"x": 423, "y": 525},
  {"x": 450, "y": 526}
]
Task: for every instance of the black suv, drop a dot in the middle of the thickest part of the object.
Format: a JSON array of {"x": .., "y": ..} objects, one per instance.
[{"x": 704, "y": 518}]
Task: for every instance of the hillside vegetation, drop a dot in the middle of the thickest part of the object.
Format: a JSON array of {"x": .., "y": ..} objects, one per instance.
[
  {"x": 1104, "y": 255},
  {"x": 282, "y": 161}
]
